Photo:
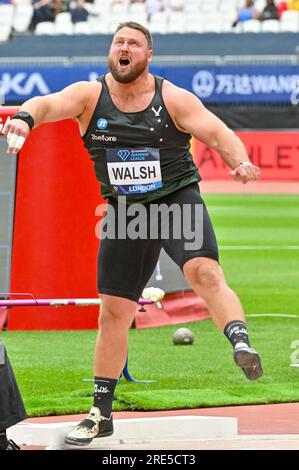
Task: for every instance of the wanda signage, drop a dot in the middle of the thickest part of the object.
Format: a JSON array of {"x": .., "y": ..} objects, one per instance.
[{"x": 276, "y": 153}]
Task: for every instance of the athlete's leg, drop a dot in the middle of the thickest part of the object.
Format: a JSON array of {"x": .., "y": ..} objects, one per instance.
[
  {"x": 204, "y": 274},
  {"x": 125, "y": 266},
  {"x": 116, "y": 317},
  {"x": 206, "y": 278}
]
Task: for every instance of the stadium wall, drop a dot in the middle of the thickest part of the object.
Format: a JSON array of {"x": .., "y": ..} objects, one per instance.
[
  {"x": 171, "y": 44},
  {"x": 229, "y": 84},
  {"x": 276, "y": 153}
]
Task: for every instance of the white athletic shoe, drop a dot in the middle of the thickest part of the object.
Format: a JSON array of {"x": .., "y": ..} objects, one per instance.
[{"x": 94, "y": 425}]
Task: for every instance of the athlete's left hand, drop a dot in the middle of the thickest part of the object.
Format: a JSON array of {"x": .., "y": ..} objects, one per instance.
[{"x": 245, "y": 172}]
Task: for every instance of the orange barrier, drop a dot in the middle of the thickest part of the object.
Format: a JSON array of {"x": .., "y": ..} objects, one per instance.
[{"x": 54, "y": 244}]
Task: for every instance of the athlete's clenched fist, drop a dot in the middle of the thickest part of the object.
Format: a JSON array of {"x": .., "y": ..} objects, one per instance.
[
  {"x": 245, "y": 172},
  {"x": 17, "y": 130}
]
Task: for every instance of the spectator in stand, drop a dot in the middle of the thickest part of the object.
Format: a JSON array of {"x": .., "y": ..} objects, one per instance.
[
  {"x": 246, "y": 13},
  {"x": 79, "y": 12},
  {"x": 270, "y": 11},
  {"x": 60, "y": 6},
  {"x": 294, "y": 5},
  {"x": 42, "y": 11},
  {"x": 281, "y": 7}
]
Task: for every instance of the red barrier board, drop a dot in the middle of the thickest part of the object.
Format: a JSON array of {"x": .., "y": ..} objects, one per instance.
[
  {"x": 54, "y": 244},
  {"x": 5, "y": 113},
  {"x": 276, "y": 153}
]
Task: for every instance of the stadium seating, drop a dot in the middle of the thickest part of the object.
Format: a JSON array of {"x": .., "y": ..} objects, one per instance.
[
  {"x": 45, "y": 28},
  {"x": 177, "y": 22},
  {"x": 159, "y": 23},
  {"x": 251, "y": 26},
  {"x": 22, "y": 17},
  {"x": 180, "y": 16},
  {"x": 209, "y": 6},
  {"x": 270, "y": 26},
  {"x": 6, "y": 21},
  {"x": 289, "y": 21}
]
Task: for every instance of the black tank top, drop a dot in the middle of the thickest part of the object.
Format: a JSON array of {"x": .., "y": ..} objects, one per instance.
[{"x": 140, "y": 155}]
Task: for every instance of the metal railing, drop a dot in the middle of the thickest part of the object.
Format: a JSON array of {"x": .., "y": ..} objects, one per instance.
[{"x": 187, "y": 60}]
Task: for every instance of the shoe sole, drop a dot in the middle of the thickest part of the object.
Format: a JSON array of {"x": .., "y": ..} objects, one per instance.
[
  {"x": 250, "y": 363},
  {"x": 84, "y": 442}
]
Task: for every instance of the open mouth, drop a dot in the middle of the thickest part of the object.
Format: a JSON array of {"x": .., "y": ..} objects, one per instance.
[{"x": 124, "y": 62}]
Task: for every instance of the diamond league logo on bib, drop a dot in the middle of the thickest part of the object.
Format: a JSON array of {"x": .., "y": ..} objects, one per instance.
[
  {"x": 123, "y": 154},
  {"x": 102, "y": 123},
  {"x": 134, "y": 171}
]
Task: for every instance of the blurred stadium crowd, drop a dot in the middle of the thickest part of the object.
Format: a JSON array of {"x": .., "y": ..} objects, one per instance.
[{"x": 55, "y": 17}]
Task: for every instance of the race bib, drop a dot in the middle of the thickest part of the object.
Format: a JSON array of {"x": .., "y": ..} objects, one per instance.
[{"x": 134, "y": 170}]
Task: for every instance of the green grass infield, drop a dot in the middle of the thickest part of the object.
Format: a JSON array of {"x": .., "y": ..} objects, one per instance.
[{"x": 258, "y": 237}]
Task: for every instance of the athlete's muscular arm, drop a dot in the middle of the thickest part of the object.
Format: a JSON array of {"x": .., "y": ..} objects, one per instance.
[
  {"x": 190, "y": 115},
  {"x": 68, "y": 103}
]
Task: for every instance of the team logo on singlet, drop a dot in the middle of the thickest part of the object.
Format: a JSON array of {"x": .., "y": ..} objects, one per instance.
[
  {"x": 102, "y": 123},
  {"x": 157, "y": 111}
]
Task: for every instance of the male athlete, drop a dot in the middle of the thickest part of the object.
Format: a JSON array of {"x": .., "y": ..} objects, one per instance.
[{"x": 137, "y": 127}]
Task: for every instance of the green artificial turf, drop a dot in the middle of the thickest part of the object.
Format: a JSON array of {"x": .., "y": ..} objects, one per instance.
[
  {"x": 50, "y": 366},
  {"x": 266, "y": 280}
]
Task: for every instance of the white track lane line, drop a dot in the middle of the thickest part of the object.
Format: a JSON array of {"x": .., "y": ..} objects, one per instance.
[
  {"x": 283, "y": 315},
  {"x": 259, "y": 247}
]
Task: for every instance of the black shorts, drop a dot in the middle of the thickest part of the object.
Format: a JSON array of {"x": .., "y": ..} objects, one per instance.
[{"x": 125, "y": 265}]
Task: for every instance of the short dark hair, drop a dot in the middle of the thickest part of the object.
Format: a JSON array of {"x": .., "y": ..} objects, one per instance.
[{"x": 139, "y": 27}]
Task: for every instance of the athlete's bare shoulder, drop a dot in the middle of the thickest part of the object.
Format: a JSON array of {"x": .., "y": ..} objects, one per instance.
[
  {"x": 94, "y": 85},
  {"x": 82, "y": 90},
  {"x": 177, "y": 100},
  {"x": 171, "y": 90},
  {"x": 90, "y": 92}
]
